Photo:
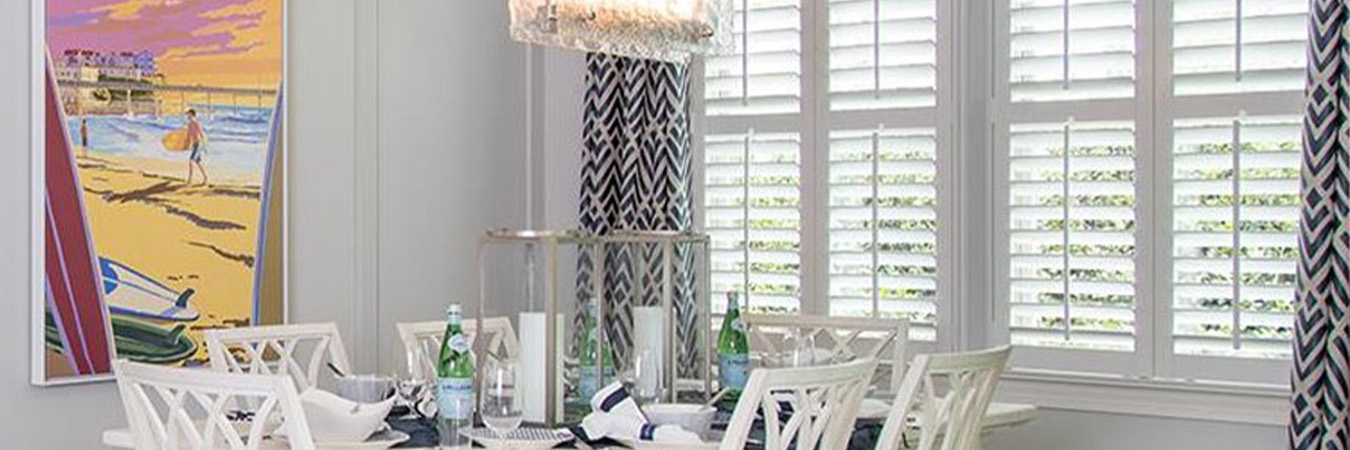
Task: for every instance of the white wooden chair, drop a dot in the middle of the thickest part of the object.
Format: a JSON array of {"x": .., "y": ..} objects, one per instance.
[
  {"x": 186, "y": 409},
  {"x": 300, "y": 351},
  {"x": 422, "y": 342},
  {"x": 824, "y": 402},
  {"x": 844, "y": 338},
  {"x": 950, "y": 420}
]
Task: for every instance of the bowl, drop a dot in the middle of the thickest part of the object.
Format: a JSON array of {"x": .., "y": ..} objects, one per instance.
[
  {"x": 695, "y": 418},
  {"x": 333, "y": 419},
  {"x": 366, "y": 388}
]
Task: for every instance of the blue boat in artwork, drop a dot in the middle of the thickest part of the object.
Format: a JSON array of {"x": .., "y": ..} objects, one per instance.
[{"x": 129, "y": 292}]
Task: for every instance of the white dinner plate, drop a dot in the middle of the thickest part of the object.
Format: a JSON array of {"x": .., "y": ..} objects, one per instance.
[
  {"x": 520, "y": 438},
  {"x": 379, "y": 441},
  {"x": 649, "y": 445}
]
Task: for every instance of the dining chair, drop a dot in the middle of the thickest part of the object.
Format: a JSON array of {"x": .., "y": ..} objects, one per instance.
[
  {"x": 950, "y": 418},
  {"x": 300, "y": 351},
  {"x": 187, "y": 409},
  {"x": 422, "y": 342},
  {"x": 806, "y": 407},
  {"x": 842, "y": 338}
]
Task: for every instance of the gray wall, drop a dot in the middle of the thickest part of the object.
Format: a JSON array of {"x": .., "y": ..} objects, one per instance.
[{"x": 406, "y": 142}]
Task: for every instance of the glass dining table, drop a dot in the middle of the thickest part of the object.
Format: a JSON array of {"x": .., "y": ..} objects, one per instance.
[{"x": 423, "y": 434}]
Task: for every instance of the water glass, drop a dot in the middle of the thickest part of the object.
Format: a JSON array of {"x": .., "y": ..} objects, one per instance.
[
  {"x": 645, "y": 378},
  {"x": 501, "y": 406},
  {"x": 799, "y": 349}
]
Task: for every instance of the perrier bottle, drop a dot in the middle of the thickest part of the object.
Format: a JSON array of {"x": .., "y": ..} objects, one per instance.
[
  {"x": 733, "y": 350},
  {"x": 454, "y": 383}
]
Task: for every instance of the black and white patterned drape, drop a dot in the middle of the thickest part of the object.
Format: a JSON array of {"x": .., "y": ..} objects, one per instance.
[
  {"x": 636, "y": 176},
  {"x": 1320, "y": 418}
]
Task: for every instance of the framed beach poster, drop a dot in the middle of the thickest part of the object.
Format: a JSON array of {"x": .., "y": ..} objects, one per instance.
[{"x": 159, "y": 206}]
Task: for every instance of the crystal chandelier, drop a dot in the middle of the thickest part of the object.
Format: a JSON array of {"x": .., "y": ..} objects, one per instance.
[{"x": 667, "y": 30}]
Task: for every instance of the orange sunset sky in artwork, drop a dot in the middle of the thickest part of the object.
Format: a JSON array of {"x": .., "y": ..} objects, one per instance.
[{"x": 219, "y": 43}]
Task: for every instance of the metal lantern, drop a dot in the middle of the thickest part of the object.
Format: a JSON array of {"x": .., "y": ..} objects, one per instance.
[
  {"x": 544, "y": 335},
  {"x": 667, "y": 30}
]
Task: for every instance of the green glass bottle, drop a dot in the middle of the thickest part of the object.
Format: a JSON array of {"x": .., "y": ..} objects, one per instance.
[
  {"x": 454, "y": 383},
  {"x": 733, "y": 350},
  {"x": 591, "y": 350}
]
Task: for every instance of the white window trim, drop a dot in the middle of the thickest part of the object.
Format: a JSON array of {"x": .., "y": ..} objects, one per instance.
[{"x": 1181, "y": 399}]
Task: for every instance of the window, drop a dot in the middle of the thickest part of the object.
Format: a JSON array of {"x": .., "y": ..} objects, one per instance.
[
  {"x": 1071, "y": 50},
  {"x": 753, "y": 179},
  {"x": 1149, "y": 227},
  {"x": 752, "y": 214},
  {"x": 883, "y": 226},
  {"x": 868, "y": 134},
  {"x": 1235, "y": 244},
  {"x": 1071, "y": 235},
  {"x": 763, "y": 74}
]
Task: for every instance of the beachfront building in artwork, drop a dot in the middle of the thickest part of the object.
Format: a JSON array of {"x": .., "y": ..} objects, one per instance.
[{"x": 106, "y": 82}]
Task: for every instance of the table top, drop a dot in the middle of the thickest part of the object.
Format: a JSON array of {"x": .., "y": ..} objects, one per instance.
[{"x": 999, "y": 415}]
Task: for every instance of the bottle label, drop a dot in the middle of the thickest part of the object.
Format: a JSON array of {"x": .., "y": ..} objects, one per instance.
[
  {"x": 459, "y": 344},
  {"x": 733, "y": 370},
  {"x": 454, "y": 398},
  {"x": 738, "y": 325}
]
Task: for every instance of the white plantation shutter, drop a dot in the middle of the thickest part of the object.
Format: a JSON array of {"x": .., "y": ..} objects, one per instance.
[
  {"x": 1071, "y": 237},
  {"x": 1066, "y": 121},
  {"x": 882, "y": 54},
  {"x": 881, "y": 163},
  {"x": 752, "y": 204},
  {"x": 1071, "y": 49},
  {"x": 1229, "y": 46},
  {"x": 763, "y": 74},
  {"x": 883, "y": 226},
  {"x": 1235, "y": 244}
]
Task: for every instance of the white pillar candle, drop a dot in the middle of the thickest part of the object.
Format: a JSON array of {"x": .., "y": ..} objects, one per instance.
[{"x": 533, "y": 356}]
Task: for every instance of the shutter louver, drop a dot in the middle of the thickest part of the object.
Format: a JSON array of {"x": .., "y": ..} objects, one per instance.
[
  {"x": 763, "y": 74},
  {"x": 752, "y": 206},
  {"x": 1233, "y": 46},
  {"x": 1071, "y": 237},
  {"x": 883, "y": 226},
  {"x": 1071, "y": 50},
  {"x": 1235, "y": 227},
  {"x": 883, "y": 54}
]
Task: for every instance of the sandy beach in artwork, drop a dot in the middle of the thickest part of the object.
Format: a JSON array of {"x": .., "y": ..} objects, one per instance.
[{"x": 185, "y": 236}]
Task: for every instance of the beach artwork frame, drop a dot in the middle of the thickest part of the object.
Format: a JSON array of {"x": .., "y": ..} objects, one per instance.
[{"x": 159, "y": 163}]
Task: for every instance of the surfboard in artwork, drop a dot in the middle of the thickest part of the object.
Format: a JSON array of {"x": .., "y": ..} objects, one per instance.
[
  {"x": 74, "y": 299},
  {"x": 130, "y": 292}
]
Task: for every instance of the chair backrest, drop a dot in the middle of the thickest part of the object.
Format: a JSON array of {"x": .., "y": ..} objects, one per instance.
[
  {"x": 807, "y": 408},
  {"x": 422, "y": 342},
  {"x": 189, "y": 409},
  {"x": 949, "y": 420},
  {"x": 845, "y": 338},
  {"x": 299, "y": 351}
]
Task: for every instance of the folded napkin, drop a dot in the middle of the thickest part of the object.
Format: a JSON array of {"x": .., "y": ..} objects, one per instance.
[{"x": 614, "y": 414}]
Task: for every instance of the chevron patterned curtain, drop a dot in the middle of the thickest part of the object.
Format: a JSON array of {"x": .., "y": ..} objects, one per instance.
[
  {"x": 1321, "y": 377},
  {"x": 635, "y": 176}
]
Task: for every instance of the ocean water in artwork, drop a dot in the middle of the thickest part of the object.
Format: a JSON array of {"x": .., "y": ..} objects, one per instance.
[{"x": 236, "y": 138}]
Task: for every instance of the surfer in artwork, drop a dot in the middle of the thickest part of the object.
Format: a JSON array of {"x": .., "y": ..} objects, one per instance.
[{"x": 197, "y": 141}]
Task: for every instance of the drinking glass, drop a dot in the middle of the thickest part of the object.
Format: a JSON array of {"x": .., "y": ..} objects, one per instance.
[
  {"x": 501, "y": 408},
  {"x": 645, "y": 377},
  {"x": 800, "y": 349}
]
